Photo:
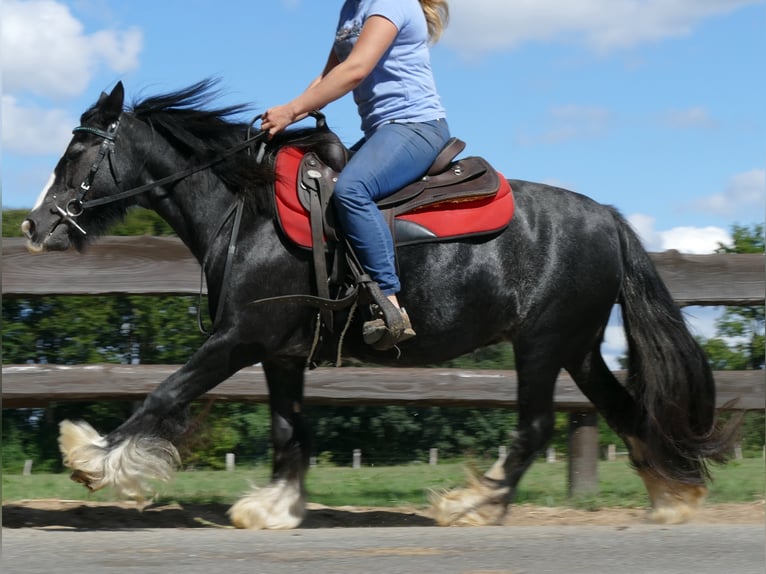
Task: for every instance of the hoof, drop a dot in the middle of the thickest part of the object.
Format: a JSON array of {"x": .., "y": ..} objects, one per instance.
[
  {"x": 129, "y": 466},
  {"x": 279, "y": 506},
  {"x": 672, "y": 502},
  {"x": 481, "y": 503}
]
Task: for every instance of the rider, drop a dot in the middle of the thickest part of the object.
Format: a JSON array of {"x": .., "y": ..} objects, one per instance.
[{"x": 381, "y": 53}]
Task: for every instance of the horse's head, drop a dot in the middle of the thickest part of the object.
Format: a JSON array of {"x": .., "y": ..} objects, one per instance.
[{"x": 86, "y": 172}]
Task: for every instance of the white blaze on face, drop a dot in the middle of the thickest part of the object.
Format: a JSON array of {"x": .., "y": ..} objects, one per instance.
[{"x": 44, "y": 192}]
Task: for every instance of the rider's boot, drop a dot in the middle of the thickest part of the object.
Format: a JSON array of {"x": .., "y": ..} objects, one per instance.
[{"x": 390, "y": 324}]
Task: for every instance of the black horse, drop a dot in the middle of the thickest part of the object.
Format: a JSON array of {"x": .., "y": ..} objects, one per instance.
[{"x": 547, "y": 283}]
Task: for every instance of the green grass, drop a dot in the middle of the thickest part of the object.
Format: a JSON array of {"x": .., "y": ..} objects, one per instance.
[{"x": 544, "y": 484}]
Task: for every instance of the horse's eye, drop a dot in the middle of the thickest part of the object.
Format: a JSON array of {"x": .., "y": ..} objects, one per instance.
[{"x": 74, "y": 152}]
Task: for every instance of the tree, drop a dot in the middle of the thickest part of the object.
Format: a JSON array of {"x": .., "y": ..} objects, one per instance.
[
  {"x": 739, "y": 343},
  {"x": 740, "y": 330}
]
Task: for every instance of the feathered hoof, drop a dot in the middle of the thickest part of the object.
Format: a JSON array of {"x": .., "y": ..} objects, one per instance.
[
  {"x": 677, "y": 506},
  {"x": 672, "y": 502},
  {"x": 478, "y": 504},
  {"x": 83, "y": 450},
  {"x": 130, "y": 466},
  {"x": 278, "y": 506}
]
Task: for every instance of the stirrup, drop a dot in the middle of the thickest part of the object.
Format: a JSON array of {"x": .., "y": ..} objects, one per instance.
[{"x": 382, "y": 337}]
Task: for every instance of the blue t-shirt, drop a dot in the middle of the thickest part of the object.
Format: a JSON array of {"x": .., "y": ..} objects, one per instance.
[{"x": 401, "y": 87}]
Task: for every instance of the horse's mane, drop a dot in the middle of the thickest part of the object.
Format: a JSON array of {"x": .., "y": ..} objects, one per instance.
[{"x": 189, "y": 119}]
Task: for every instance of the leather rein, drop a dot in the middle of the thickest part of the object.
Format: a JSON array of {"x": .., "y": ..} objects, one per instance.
[{"x": 77, "y": 205}]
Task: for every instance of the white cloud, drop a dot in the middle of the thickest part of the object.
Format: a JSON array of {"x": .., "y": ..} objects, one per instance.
[
  {"x": 479, "y": 26},
  {"x": 52, "y": 56},
  {"x": 33, "y": 130},
  {"x": 570, "y": 122},
  {"x": 696, "y": 240},
  {"x": 691, "y": 118},
  {"x": 743, "y": 198},
  {"x": 699, "y": 240},
  {"x": 644, "y": 226}
]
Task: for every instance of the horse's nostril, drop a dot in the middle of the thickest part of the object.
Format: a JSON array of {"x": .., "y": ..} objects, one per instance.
[{"x": 27, "y": 228}]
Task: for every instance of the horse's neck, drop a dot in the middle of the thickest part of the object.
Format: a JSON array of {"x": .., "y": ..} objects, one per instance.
[
  {"x": 197, "y": 212},
  {"x": 194, "y": 207}
]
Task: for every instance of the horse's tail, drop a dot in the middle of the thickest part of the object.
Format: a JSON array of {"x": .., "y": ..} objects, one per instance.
[{"x": 668, "y": 373}]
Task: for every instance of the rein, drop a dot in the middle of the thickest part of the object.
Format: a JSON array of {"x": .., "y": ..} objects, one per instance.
[{"x": 76, "y": 206}]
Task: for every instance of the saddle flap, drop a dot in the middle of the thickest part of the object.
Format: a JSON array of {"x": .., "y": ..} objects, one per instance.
[
  {"x": 312, "y": 173},
  {"x": 316, "y": 182}
]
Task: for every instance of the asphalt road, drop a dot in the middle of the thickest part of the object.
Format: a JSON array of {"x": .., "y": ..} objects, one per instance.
[{"x": 642, "y": 549}]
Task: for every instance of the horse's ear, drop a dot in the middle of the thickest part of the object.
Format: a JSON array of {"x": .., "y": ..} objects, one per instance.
[{"x": 111, "y": 105}]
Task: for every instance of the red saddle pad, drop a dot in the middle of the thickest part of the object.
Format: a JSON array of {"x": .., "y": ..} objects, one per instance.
[{"x": 444, "y": 220}]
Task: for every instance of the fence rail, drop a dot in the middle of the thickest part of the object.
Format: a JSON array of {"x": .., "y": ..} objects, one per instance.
[
  {"x": 38, "y": 385},
  {"x": 163, "y": 265}
]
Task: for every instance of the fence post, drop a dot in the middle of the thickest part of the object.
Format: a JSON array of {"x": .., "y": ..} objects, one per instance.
[
  {"x": 229, "y": 461},
  {"x": 433, "y": 456},
  {"x": 611, "y": 452},
  {"x": 27, "y": 467},
  {"x": 550, "y": 455},
  {"x": 583, "y": 453},
  {"x": 357, "y": 458}
]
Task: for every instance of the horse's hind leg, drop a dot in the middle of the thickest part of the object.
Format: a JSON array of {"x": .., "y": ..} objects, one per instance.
[
  {"x": 485, "y": 500},
  {"x": 280, "y": 504},
  {"x": 672, "y": 501}
]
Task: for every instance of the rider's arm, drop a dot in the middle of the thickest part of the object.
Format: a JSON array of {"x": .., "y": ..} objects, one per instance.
[
  {"x": 339, "y": 78},
  {"x": 332, "y": 61}
]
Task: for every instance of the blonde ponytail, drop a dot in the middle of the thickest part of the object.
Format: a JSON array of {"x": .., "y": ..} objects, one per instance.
[{"x": 437, "y": 17}]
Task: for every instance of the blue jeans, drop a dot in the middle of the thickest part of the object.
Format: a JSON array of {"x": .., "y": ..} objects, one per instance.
[{"x": 393, "y": 156}]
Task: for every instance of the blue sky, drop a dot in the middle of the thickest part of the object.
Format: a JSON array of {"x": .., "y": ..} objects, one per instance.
[{"x": 653, "y": 106}]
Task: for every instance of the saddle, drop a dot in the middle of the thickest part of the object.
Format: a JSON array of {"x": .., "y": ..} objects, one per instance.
[{"x": 454, "y": 199}]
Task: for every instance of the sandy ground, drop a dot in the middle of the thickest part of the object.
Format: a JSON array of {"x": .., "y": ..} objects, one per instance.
[{"x": 78, "y": 514}]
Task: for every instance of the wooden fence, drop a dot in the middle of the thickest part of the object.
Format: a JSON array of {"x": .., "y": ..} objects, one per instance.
[
  {"x": 154, "y": 265},
  {"x": 163, "y": 265}
]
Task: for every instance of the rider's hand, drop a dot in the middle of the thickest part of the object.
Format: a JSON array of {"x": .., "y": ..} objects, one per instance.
[{"x": 276, "y": 119}]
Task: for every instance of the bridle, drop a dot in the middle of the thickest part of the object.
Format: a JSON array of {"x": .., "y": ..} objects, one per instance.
[
  {"x": 75, "y": 206},
  {"x": 78, "y": 204}
]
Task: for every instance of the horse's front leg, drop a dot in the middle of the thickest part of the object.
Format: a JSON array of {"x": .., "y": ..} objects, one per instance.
[
  {"x": 141, "y": 451},
  {"x": 282, "y": 503}
]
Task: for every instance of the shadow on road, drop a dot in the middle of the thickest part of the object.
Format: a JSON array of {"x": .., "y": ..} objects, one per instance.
[{"x": 105, "y": 516}]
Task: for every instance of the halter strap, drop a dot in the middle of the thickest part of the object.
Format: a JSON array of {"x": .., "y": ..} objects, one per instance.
[{"x": 75, "y": 206}]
